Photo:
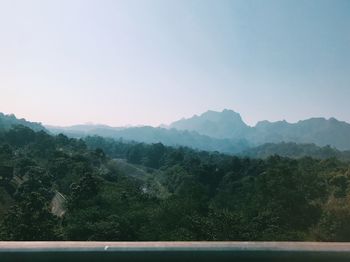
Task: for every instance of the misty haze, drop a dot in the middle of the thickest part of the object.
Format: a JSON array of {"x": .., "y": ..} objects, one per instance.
[{"x": 177, "y": 120}]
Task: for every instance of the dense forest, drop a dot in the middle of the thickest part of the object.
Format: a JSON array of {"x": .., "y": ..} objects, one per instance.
[
  {"x": 294, "y": 150},
  {"x": 60, "y": 188}
]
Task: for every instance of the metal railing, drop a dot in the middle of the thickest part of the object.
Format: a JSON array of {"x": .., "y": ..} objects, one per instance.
[{"x": 173, "y": 251}]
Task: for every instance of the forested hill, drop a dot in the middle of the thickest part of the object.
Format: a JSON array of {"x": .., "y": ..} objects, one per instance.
[
  {"x": 294, "y": 150},
  {"x": 57, "y": 188},
  {"x": 9, "y": 121}
]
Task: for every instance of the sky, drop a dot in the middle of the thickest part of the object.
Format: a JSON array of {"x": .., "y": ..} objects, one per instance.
[{"x": 148, "y": 62}]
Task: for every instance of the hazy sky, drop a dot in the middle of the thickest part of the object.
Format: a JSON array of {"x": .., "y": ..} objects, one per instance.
[{"x": 150, "y": 62}]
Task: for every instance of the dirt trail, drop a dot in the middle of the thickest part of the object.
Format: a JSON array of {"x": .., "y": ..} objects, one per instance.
[{"x": 58, "y": 205}]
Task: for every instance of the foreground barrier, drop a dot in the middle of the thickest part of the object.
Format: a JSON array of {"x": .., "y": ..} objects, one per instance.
[{"x": 173, "y": 251}]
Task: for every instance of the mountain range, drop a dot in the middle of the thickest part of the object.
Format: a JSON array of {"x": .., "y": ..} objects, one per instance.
[
  {"x": 222, "y": 131},
  {"x": 229, "y": 125},
  {"x": 167, "y": 136}
]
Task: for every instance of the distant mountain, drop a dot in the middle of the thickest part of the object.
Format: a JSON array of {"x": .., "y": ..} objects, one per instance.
[
  {"x": 8, "y": 121},
  {"x": 229, "y": 125},
  {"x": 319, "y": 131},
  {"x": 78, "y": 131},
  {"x": 224, "y": 132},
  {"x": 294, "y": 150},
  {"x": 226, "y": 124},
  {"x": 148, "y": 134}
]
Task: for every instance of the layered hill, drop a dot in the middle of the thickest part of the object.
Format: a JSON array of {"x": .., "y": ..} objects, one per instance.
[
  {"x": 217, "y": 131},
  {"x": 169, "y": 137}
]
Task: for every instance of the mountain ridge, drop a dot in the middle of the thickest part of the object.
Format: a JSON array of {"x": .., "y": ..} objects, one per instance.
[
  {"x": 231, "y": 124},
  {"x": 227, "y": 126},
  {"x": 318, "y": 130},
  {"x": 224, "y": 131}
]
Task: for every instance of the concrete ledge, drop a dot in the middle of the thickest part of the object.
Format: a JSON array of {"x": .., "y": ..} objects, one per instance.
[{"x": 173, "y": 251}]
